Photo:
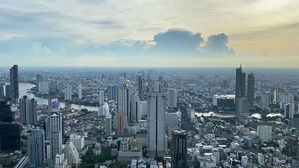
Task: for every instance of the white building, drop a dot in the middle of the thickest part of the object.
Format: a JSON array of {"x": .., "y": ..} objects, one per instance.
[
  {"x": 71, "y": 154},
  {"x": 78, "y": 141},
  {"x": 264, "y": 132},
  {"x": 55, "y": 134},
  {"x": 104, "y": 110}
]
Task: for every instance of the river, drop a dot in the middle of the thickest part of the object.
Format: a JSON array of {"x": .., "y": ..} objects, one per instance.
[{"x": 24, "y": 89}]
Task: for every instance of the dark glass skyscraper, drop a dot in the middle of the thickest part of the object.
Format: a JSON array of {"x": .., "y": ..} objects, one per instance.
[
  {"x": 179, "y": 149},
  {"x": 5, "y": 112},
  {"x": 10, "y": 139},
  {"x": 14, "y": 84},
  {"x": 140, "y": 86},
  {"x": 36, "y": 148},
  {"x": 240, "y": 83},
  {"x": 250, "y": 89}
]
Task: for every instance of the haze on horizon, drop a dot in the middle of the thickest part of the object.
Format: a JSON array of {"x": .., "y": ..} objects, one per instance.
[{"x": 150, "y": 33}]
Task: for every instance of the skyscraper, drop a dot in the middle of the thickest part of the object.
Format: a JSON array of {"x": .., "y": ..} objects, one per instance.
[
  {"x": 14, "y": 84},
  {"x": 112, "y": 93},
  {"x": 2, "y": 91},
  {"x": 179, "y": 149},
  {"x": 172, "y": 98},
  {"x": 125, "y": 93},
  {"x": 10, "y": 137},
  {"x": 28, "y": 111},
  {"x": 156, "y": 124},
  {"x": 240, "y": 83},
  {"x": 250, "y": 89},
  {"x": 68, "y": 92},
  {"x": 55, "y": 134},
  {"x": 5, "y": 112},
  {"x": 101, "y": 97},
  {"x": 79, "y": 91},
  {"x": 36, "y": 148},
  {"x": 141, "y": 86}
]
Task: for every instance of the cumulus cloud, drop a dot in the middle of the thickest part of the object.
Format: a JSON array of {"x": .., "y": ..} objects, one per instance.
[
  {"x": 177, "y": 41},
  {"x": 217, "y": 45}
]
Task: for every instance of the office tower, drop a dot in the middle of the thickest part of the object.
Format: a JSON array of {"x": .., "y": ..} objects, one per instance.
[
  {"x": 39, "y": 78},
  {"x": 10, "y": 137},
  {"x": 264, "y": 132},
  {"x": 55, "y": 134},
  {"x": 156, "y": 124},
  {"x": 7, "y": 91},
  {"x": 250, "y": 89},
  {"x": 266, "y": 99},
  {"x": 295, "y": 121},
  {"x": 125, "y": 93},
  {"x": 121, "y": 123},
  {"x": 242, "y": 106},
  {"x": 142, "y": 109},
  {"x": 172, "y": 98},
  {"x": 134, "y": 108},
  {"x": 43, "y": 87},
  {"x": 289, "y": 110},
  {"x": 141, "y": 87},
  {"x": 53, "y": 87},
  {"x": 5, "y": 112},
  {"x": 240, "y": 83},
  {"x": 36, "y": 148},
  {"x": 2, "y": 93},
  {"x": 68, "y": 92},
  {"x": 108, "y": 125},
  {"x": 101, "y": 97},
  {"x": 71, "y": 155},
  {"x": 80, "y": 91},
  {"x": 112, "y": 92},
  {"x": 28, "y": 111},
  {"x": 78, "y": 141},
  {"x": 179, "y": 149},
  {"x": 14, "y": 84}
]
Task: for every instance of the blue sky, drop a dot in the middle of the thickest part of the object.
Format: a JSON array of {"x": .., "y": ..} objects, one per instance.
[{"x": 191, "y": 33}]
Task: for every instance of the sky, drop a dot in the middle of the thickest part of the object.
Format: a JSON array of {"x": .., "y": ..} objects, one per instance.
[{"x": 150, "y": 33}]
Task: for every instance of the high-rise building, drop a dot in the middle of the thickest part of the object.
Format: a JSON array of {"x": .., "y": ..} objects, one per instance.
[
  {"x": 112, "y": 92},
  {"x": 80, "y": 91},
  {"x": 5, "y": 112},
  {"x": 68, "y": 92},
  {"x": 134, "y": 108},
  {"x": 10, "y": 137},
  {"x": 179, "y": 149},
  {"x": 250, "y": 89},
  {"x": 71, "y": 155},
  {"x": 156, "y": 124},
  {"x": 125, "y": 93},
  {"x": 2, "y": 93},
  {"x": 28, "y": 111},
  {"x": 266, "y": 99},
  {"x": 43, "y": 87},
  {"x": 101, "y": 97},
  {"x": 121, "y": 123},
  {"x": 55, "y": 134},
  {"x": 14, "y": 84},
  {"x": 172, "y": 98},
  {"x": 108, "y": 125},
  {"x": 264, "y": 132},
  {"x": 242, "y": 106},
  {"x": 240, "y": 83},
  {"x": 7, "y": 91},
  {"x": 78, "y": 141},
  {"x": 141, "y": 86},
  {"x": 36, "y": 148}
]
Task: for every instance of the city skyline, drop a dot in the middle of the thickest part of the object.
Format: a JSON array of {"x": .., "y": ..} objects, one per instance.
[{"x": 149, "y": 33}]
